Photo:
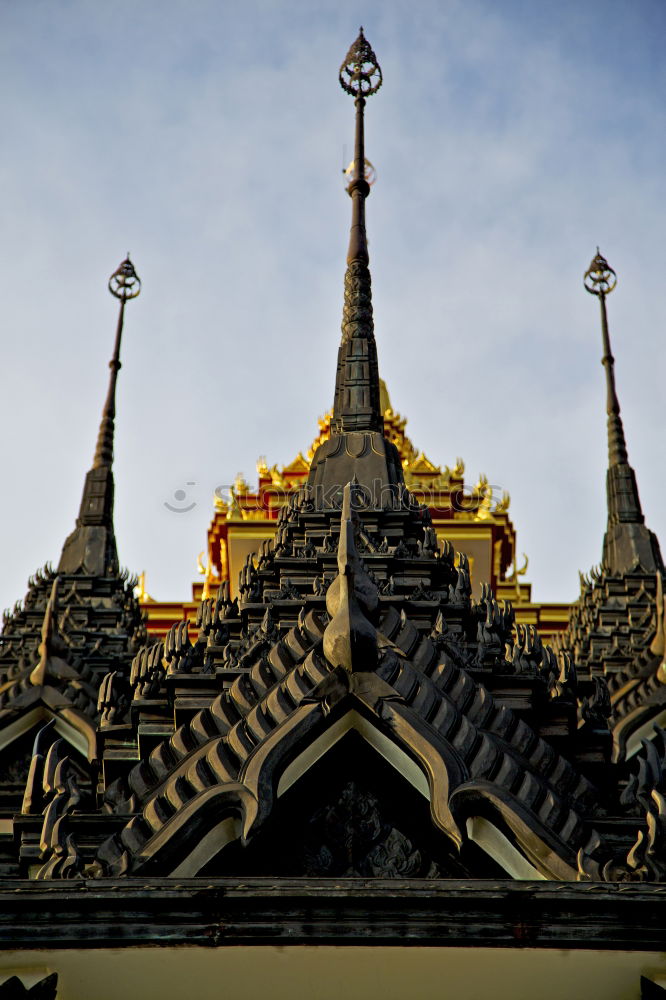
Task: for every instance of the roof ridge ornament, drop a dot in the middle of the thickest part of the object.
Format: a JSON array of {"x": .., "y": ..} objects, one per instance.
[
  {"x": 350, "y": 638},
  {"x": 52, "y": 648}
]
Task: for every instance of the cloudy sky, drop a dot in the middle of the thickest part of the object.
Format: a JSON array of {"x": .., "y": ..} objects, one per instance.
[{"x": 208, "y": 137}]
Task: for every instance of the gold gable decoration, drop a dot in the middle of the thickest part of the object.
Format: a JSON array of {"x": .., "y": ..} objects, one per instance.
[
  {"x": 474, "y": 520},
  {"x": 455, "y": 509}
]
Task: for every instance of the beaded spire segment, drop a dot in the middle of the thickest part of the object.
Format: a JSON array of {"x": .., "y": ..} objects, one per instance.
[{"x": 628, "y": 544}]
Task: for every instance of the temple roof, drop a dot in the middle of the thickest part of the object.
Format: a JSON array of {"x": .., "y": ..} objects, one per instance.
[
  {"x": 77, "y": 623},
  {"x": 616, "y": 621},
  {"x": 353, "y": 691}
]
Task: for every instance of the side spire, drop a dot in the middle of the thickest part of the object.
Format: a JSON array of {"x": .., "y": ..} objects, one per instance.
[
  {"x": 356, "y": 405},
  {"x": 628, "y": 544},
  {"x": 91, "y": 548}
]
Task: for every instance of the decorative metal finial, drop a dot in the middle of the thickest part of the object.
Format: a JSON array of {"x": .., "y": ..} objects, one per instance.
[
  {"x": 360, "y": 73},
  {"x": 125, "y": 283},
  {"x": 600, "y": 278}
]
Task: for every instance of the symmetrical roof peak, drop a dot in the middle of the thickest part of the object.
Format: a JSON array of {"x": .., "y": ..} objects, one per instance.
[{"x": 91, "y": 548}]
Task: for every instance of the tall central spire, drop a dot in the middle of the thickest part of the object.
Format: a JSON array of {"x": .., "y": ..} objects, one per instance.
[
  {"x": 357, "y": 448},
  {"x": 356, "y": 403},
  {"x": 628, "y": 544},
  {"x": 91, "y": 548}
]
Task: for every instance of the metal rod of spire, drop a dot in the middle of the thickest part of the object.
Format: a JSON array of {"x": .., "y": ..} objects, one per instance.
[
  {"x": 124, "y": 284},
  {"x": 600, "y": 279}
]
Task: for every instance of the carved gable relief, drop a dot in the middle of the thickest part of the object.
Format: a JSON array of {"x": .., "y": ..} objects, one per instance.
[
  {"x": 352, "y": 837},
  {"x": 374, "y": 825}
]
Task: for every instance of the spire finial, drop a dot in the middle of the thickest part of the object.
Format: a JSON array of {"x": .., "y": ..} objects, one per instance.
[
  {"x": 360, "y": 73},
  {"x": 627, "y": 543},
  {"x": 600, "y": 279},
  {"x": 124, "y": 284}
]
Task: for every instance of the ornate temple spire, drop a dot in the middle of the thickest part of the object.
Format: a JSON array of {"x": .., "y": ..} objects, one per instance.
[
  {"x": 91, "y": 548},
  {"x": 356, "y": 405},
  {"x": 357, "y": 446},
  {"x": 628, "y": 544}
]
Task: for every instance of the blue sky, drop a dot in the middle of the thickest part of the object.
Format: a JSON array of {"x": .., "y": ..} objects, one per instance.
[{"x": 208, "y": 138}]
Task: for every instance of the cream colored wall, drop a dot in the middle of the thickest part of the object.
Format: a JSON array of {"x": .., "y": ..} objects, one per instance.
[{"x": 328, "y": 973}]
